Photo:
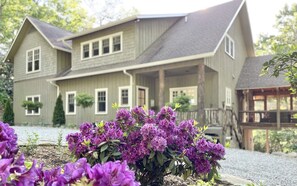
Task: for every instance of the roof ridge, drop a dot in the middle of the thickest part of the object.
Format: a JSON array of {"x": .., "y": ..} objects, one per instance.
[{"x": 50, "y": 24}]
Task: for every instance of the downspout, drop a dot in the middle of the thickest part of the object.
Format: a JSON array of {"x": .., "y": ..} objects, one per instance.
[
  {"x": 131, "y": 87},
  {"x": 57, "y": 86}
]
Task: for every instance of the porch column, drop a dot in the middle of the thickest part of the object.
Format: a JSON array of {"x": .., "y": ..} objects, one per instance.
[
  {"x": 267, "y": 141},
  {"x": 161, "y": 88},
  {"x": 278, "y": 109},
  {"x": 201, "y": 93}
]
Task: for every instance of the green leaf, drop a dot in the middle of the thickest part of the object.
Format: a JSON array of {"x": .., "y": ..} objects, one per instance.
[
  {"x": 152, "y": 154},
  {"x": 160, "y": 158},
  {"x": 188, "y": 162},
  {"x": 210, "y": 175},
  {"x": 171, "y": 165},
  {"x": 102, "y": 155},
  {"x": 28, "y": 164},
  {"x": 116, "y": 153},
  {"x": 102, "y": 143},
  {"x": 144, "y": 162},
  {"x": 104, "y": 148},
  {"x": 105, "y": 159}
]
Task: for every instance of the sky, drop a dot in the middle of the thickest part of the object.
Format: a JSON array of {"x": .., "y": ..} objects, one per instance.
[{"x": 262, "y": 13}]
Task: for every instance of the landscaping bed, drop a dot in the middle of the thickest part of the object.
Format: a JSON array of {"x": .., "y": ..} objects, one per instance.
[{"x": 52, "y": 156}]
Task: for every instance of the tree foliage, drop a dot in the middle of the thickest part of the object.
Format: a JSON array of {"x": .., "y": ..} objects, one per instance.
[
  {"x": 283, "y": 46},
  {"x": 105, "y": 11},
  {"x": 8, "y": 115},
  {"x": 59, "y": 114},
  {"x": 183, "y": 103}
]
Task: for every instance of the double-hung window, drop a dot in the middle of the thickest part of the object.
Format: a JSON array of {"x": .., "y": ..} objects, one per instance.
[
  {"x": 229, "y": 46},
  {"x": 106, "y": 45},
  {"x": 101, "y": 100},
  {"x": 33, "y": 99},
  {"x": 70, "y": 103},
  {"x": 124, "y": 96},
  {"x": 33, "y": 60}
]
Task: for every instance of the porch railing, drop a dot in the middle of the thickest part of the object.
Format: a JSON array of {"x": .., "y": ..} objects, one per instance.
[
  {"x": 213, "y": 116},
  {"x": 267, "y": 117}
]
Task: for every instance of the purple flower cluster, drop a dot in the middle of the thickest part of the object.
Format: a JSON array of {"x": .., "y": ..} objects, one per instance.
[
  {"x": 205, "y": 154},
  {"x": 8, "y": 141}
]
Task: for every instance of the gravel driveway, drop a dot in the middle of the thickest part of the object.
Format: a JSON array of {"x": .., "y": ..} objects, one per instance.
[
  {"x": 45, "y": 134},
  {"x": 260, "y": 167},
  {"x": 255, "y": 166}
]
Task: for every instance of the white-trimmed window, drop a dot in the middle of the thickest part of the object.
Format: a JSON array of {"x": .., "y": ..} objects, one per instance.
[
  {"x": 70, "y": 103},
  {"x": 229, "y": 46},
  {"x": 124, "y": 96},
  {"x": 228, "y": 97},
  {"x": 187, "y": 91},
  {"x": 33, "y": 60},
  {"x": 101, "y": 101},
  {"x": 102, "y": 46},
  {"x": 34, "y": 99}
]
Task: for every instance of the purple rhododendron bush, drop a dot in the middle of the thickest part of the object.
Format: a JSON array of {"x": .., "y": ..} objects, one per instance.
[
  {"x": 153, "y": 145},
  {"x": 16, "y": 171}
]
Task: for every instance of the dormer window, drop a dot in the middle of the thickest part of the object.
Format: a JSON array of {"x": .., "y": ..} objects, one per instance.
[
  {"x": 229, "y": 46},
  {"x": 105, "y": 46},
  {"x": 86, "y": 51},
  {"x": 95, "y": 46},
  {"x": 102, "y": 46},
  {"x": 33, "y": 60},
  {"x": 116, "y": 42}
]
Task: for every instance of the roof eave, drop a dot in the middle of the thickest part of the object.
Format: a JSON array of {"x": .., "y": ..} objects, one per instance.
[
  {"x": 133, "y": 67},
  {"x": 254, "y": 88}
]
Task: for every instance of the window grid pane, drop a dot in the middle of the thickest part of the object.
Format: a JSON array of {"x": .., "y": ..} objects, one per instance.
[
  {"x": 96, "y": 48},
  {"x": 86, "y": 51},
  {"x": 124, "y": 95},
  {"x": 101, "y": 101},
  {"x": 71, "y": 103},
  {"x": 105, "y": 46},
  {"x": 116, "y": 43}
]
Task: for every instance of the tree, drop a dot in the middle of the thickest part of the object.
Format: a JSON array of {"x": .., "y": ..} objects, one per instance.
[
  {"x": 283, "y": 45},
  {"x": 106, "y": 11},
  {"x": 8, "y": 115},
  {"x": 6, "y": 80},
  {"x": 59, "y": 114}
]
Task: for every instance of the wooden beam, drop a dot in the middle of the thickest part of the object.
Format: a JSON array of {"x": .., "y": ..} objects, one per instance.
[
  {"x": 161, "y": 88},
  {"x": 201, "y": 92},
  {"x": 278, "y": 108}
]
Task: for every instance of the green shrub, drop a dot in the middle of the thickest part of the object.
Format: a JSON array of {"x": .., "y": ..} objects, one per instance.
[
  {"x": 32, "y": 142},
  {"x": 8, "y": 115},
  {"x": 59, "y": 114},
  {"x": 30, "y": 105},
  {"x": 84, "y": 100},
  {"x": 183, "y": 103}
]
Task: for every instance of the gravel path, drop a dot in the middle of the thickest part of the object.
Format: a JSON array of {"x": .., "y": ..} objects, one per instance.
[
  {"x": 255, "y": 166},
  {"x": 45, "y": 134},
  {"x": 260, "y": 167}
]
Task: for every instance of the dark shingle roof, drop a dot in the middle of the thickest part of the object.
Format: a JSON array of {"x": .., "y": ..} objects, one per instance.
[
  {"x": 250, "y": 75},
  {"x": 52, "y": 33},
  {"x": 198, "y": 33}
]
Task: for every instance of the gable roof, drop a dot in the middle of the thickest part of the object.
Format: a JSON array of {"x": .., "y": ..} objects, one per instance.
[
  {"x": 49, "y": 32},
  {"x": 250, "y": 75},
  {"x": 194, "y": 36}
]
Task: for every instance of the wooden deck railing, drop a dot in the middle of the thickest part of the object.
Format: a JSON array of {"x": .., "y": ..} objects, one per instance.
[{"x": 213, "y": 116}]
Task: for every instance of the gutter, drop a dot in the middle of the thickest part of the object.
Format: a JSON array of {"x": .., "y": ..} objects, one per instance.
[
  {"x": 55, "y": 85},
  {"x": 131, "y": 87}
]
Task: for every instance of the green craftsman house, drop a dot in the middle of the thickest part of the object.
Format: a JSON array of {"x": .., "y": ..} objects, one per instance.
[{"x": 145, "y": 60}]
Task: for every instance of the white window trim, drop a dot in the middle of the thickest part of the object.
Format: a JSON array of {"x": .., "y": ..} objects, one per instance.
[
  {"x": 96, "y": 100},
  {"x": 230, "y": 41},
  {"x": 100, "y": 46},
  {"x": 120, "y": 96},
  {"x": 146, "y": 96},
  {"x": 33, "y": 113},
  {"x": 33, "y": 63},
  {"x": 228, "y": 93},
  {"x": 180, "y": 88},
  {"x": 67, "y": 103}
]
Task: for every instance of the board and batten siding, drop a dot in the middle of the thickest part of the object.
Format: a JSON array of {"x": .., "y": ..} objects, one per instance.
[
  {"x": 211, "y": 84},
  {"x": 48, "y": 96},
  {"x": 127, "y": 53},
  {"x": 228, "y": 68},
  {"x": 63, "y": 61},
  {"x": 149, "y": 30},
  {"x": 48, "y": 56},
  {"x": 88, "y": 85}
]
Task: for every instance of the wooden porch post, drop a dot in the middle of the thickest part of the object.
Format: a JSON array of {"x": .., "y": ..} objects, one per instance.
[
  {"x": 161, "y": 88},
  {"x": 278, "y": 108},
  {"x": 201, "y": 93}
]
